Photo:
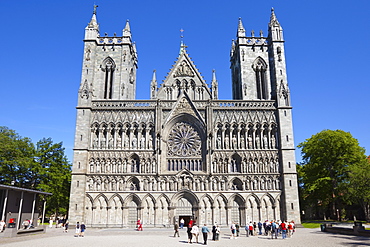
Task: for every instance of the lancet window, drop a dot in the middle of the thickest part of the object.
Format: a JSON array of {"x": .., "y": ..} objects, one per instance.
[
  {"x": 108, "y": 68},
  {"x": 260, "y": 68}
]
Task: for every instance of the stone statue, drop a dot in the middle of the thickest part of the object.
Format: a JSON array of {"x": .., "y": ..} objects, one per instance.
[
  {"x": 258, "y": 141},
  {"x": 234, "y": 141},
  {"x": 219, "y": 145},
  {"x": 119, "y": 141},
  {"x": 242, "y": 142},
  {"x": 142, "y": 142},
  {"x": 265, "y": 142},
  {"x": 250, "y": 142},
  {"x": 150, "y": 142},
  {"x": 273, "y": 141},
  {"x": 134, "y": 142},
  {"x": 227, "y": 142}
]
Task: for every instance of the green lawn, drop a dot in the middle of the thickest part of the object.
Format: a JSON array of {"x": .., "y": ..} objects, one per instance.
[{"x": 311, "y": 225}]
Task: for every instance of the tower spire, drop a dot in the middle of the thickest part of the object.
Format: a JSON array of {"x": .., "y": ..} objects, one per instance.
[
  {"x": 241, "y": 29},
  {"x": 275, "y": 29},
  {"x": 126, "y": 32},
  {"x": 153, "y": 86},
  {"x": 92, "y": 29},
  {"x": 214, "y": 85}
]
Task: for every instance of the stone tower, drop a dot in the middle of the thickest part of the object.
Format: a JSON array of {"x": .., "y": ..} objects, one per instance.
[
  {"x": 184, "y": 153},
  {"x": 259, "y": 73}
]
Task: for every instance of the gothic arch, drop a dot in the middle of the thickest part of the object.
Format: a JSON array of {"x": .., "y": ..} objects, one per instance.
[
  {"x": 97, "y": 199},
  {"x": 115, "y": 195},
  {"x": 220, "y": 209},
  {"x": 187, "y": 194},
  {"x": 133, "y": 184},
  {"x": 132, "y": 197},
  {"x": 237, "y": 198},
  {"x": 236, "y": 184},
  {"x": 165, "y": 197},
  {"x": 205, "y": 212},
  {"x": 255, "y": 197}
]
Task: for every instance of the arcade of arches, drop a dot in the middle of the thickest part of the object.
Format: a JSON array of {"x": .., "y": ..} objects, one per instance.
[{"x": 160, "y": 209}]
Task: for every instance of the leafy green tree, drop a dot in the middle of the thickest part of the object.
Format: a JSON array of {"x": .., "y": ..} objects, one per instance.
[
  {"x": 16, "y": 159},
  {"x": 44, "y": 167},
  {"x": 359, "y": 188},
  {"x": 53, "y": 174},
  {"x": 328, "y": 158}
]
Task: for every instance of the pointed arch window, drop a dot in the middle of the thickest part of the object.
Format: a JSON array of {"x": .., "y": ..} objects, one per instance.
[
  {"x": 260, "y": 68},
  {"x": 108, "y": 68}
]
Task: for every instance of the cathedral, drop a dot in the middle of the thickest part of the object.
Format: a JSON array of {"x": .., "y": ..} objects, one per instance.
[{"x": 184, "y": 153}]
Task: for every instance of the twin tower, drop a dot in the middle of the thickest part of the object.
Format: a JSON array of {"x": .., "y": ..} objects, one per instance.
[{"x": 184, "y": 153}]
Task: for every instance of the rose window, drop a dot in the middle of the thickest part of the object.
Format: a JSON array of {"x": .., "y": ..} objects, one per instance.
[{"x": 184, "y": 140}]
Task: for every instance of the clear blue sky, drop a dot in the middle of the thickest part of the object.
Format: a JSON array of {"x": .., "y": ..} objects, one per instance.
[{"x": 327, "y": 50}]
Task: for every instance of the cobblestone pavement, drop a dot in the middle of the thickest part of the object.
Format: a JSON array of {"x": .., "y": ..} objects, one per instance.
[{"x": 164, "y": 237}]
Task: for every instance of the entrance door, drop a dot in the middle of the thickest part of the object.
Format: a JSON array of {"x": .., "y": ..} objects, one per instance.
[{"x": 186, "y": 218}]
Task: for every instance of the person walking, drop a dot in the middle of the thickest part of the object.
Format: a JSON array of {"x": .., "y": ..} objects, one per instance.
[
  {"x": 251, "y": 228},
  {"x": 218, "y": 231},
  {"x": 182, "y": 222},
  {"x": 274, "y": 231},
  {"x": 176, "y": 228},
  {"x": 66, "y": 226},
  {"x": 233, "y": 230},
  {"x": 283, "y": 227},
  {"x": 78, "y": 229},
  {"x": 237, "y": 229},
  {"x": 214, "y": 232},
  {"x": 190, "y": 235},
  {"x": 205, "y": 232},
  {"x": 259, "y": 228},
  {"x": 247, "y": 230},
  {"x": 195, "y": 231},
  {"x": 83, "y": 229}
]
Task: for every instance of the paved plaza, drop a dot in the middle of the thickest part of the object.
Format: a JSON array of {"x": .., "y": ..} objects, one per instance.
[{"x": 164, "y": 237}]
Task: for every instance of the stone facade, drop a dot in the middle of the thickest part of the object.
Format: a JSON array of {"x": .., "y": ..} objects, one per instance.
[{"x": 184, "y": 153}]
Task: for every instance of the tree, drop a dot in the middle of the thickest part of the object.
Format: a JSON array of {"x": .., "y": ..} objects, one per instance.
[
  {"x": 16, "y": 158},
  {"x": 53, "y": 174},
  {"x": 44, "y": 167},
  {"x": 328, "y": 158},
  {"x": 359, "y": 188}
]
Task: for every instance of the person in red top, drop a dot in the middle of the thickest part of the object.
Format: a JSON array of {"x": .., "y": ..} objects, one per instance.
[
  {"x": 139, "y": 225},
  {"x": 290, "y": 229},
  {"x": 283, "y": 226},
  {"x": 191, "y": 222}
]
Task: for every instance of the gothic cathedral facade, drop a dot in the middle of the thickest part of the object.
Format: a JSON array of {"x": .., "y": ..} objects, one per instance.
[{"x": 184, "y": 153}]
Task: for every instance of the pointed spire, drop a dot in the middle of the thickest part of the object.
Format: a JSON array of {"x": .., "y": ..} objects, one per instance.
[
  {"x": 232, "y": 48},
  {"x": 241, "y": 30},
  {"x": 275, "y": 29},
  {"x": 153, "y": 86},
  {"x": 273, "y": 19},
  {"x": 214, "y": 85},
  {"x": 92, "y": 29},
  {"x": 126, "y": 32}
]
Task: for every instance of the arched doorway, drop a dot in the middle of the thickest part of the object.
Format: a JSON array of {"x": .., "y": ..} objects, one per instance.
[{"x": 186, "y": 206}]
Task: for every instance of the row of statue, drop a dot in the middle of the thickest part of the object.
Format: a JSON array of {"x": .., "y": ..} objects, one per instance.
[
  {"x": 251, "y": 142},
  {"x": 179, "y": 164},
  {"x": 104, "y": 140},
  {"x": 251, "y": 166},
  {"x": 220, "y": 165},
  {"x": 132, "y": 165},
  {"x": 255, "y": 183}
]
